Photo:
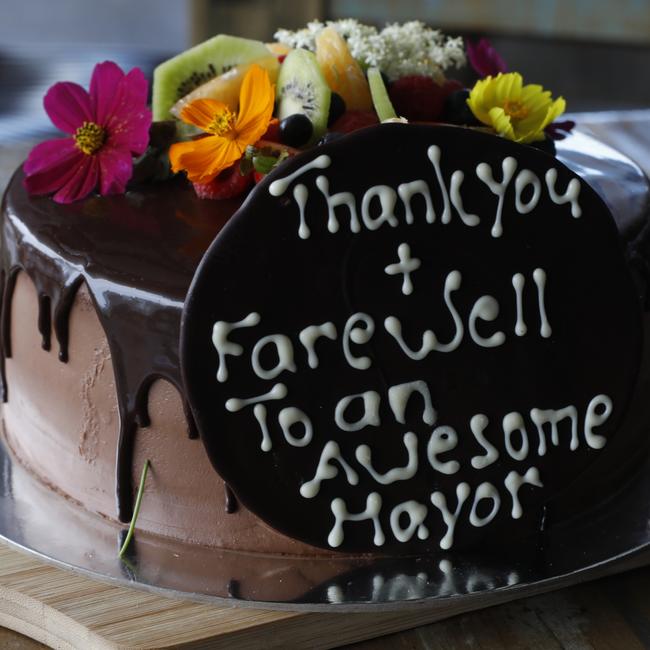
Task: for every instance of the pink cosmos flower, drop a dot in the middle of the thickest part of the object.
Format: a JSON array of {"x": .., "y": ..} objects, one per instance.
[{"x": 107, "y": 126}]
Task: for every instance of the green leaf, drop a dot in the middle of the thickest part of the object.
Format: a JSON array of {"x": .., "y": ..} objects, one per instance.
[{"x": 136, "y": 509}]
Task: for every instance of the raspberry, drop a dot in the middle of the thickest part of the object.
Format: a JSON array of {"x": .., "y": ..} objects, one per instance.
[
  {"x": 227, "y": 185},
  {"x": 273, "y": 131},
  {"x": 419, "y": 98},
  {"x": 354, "y": 120}
]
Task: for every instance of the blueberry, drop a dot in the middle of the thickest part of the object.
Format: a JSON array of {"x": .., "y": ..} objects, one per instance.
[
  {"x": 296, "y": 130},
  {"x": 337, "y": 108},
  {"x": 456, "y": 110}
]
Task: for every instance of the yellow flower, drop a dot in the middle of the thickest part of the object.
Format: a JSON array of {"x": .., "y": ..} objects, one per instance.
[
  {"x": 517, "y": 112},
  {"x": 229, "y": 133}
]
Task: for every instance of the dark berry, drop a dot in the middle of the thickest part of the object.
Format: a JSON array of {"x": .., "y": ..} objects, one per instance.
[
  {"x": 337, "y": 108},
  {"x": 296, "y": 130},
  {"x": 546, "y": 145},
  {"x": 353, "y": 120},
  {"x": 456, "y": 110}
]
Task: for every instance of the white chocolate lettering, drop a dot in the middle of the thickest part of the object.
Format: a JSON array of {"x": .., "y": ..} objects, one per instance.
[
  {"x": 310, "y": 335},
  {"x": 595, "y": 419},
  {"x": 478, "y": 424},
  {"x": 341, "y": 515},
  {"x": 484, "y": 491},
  {"x": 370, "y": 417},
  {"x": 484, "y": 173},
  {"x": 485, "y": 308},
  {"x": 325, "y": 470},
  {"x": 363, "y": 455},
  {"x": 224, "y": 347},
  {"x": 405, "y": 266},
  {"x": 416, "y": 513},
  {"x": 524, "y": 179},
  {"x": 515, "y": 422},
  {"x": 284, "y": 350},
  {"x": 359, "y": 336},
  {"x": 442, "y": 439},
  {"x": 570, "y": 196},
  {"x": 337, "y": 200},
  {"x": 513, "y": 483},
  {"x": 407, "y": 191},
  {"x": 399, "y": 396},
  {"x": 439, "y": 500},
  {"x": 291, "y": 416},
  {"x": 387, "y": 200}
]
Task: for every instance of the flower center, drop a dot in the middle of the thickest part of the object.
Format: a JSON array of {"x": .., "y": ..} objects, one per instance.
[
  {"x": 515, "y": 109},
  {"x": 90, "y": 137},
  {"x": 222, "y": 122}
]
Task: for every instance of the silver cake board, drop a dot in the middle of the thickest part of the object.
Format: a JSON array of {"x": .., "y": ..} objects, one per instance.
[{"x": 38, "y": 521}]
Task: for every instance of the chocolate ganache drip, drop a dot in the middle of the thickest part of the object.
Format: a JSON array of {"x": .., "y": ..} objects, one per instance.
[{"x": 137, "y": 254}]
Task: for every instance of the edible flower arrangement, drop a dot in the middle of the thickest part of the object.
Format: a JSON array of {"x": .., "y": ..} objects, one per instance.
[{"x": 229, "y": 110}]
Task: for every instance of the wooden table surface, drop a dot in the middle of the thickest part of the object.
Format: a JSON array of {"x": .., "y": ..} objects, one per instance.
[{"x": 610, "y": 613}]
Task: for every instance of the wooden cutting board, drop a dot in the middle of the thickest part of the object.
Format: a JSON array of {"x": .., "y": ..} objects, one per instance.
[{"x": 65, "y": 610}]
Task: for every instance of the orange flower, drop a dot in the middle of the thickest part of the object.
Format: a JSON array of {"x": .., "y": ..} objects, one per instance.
[{"x": 229, "y": 133}]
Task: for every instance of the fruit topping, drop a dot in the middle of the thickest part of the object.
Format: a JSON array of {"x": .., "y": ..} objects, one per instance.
[
  {"x": 380, "y": 98},
  {"x": 302, "y": 88},
  {"x": 179, "y": 76},
  {"x": 354, "y": 120},
  {"x": 263, "y": 158},
  {"x": 342, "y": 72},
  {"x": 337, "y": 108},
  {"x": 225, "y": 88},
  {"x": 417, "y": 98},
  {"x": 227, "y": 185},
  {"x": 456, "y": 110},
  {"x": 296, "y": 130}
]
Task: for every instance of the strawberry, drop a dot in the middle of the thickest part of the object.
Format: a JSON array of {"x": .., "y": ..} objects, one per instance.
[
  {"x": 354, "y": 120},
  {"x": 227, "y": 185},
  {"x": 419, "y": 98},
  {"x": 258, "y": 176}
]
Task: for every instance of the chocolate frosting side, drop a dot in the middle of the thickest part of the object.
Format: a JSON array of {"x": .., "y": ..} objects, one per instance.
[{"x": 138, "y": 252}]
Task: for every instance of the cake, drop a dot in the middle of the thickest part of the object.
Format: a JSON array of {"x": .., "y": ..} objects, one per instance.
[{"x": 419, "y": 335}]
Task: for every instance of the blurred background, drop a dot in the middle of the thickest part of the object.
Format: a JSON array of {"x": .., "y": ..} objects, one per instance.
[{"x": 594, "y": 52}]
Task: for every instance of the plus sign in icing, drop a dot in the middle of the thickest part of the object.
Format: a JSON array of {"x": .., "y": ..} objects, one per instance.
[{"x": 406, "y": 266}]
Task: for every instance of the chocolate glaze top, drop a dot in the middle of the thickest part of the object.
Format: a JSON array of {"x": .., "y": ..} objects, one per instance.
[{"x": 137, "y": 254}]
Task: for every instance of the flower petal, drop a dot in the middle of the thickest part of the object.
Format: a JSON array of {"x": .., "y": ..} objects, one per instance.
[
  {"x": 129, "y": 119},
  {"x": 49, "y": 154},
  {"x": 201, "y": 112},
  {"x": 105, "y": 90},
  {"x": 115, "y": 170},
  {"x": 68, "y": 106},
  {"x": 256, "y": 99},
  {"x": 502, "y": 123},
  {"x": 82, "y": 182},
  {"x": 50, "y": 165},
  {"x": 205, "y": 158}
]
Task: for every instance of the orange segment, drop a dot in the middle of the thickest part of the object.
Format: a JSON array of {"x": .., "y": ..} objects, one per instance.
[
  {"x": 343, "y": 74},
  {"x": 225, "y": 88}
]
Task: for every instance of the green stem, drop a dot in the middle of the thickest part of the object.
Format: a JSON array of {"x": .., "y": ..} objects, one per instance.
[{"x": 136, "y": 509}]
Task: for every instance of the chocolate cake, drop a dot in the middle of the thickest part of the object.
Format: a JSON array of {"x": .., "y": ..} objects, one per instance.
[{"x": 408, "y": 338}]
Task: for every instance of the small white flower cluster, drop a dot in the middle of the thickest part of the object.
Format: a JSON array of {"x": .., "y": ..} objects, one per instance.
[{"x": 397, "y": 50}]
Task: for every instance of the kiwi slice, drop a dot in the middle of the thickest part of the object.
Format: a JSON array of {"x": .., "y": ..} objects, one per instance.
[
  {"x": 180, "y": 75},
  {"x": 380, "y": 99},
  {"x": 302, "y": 89}
]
